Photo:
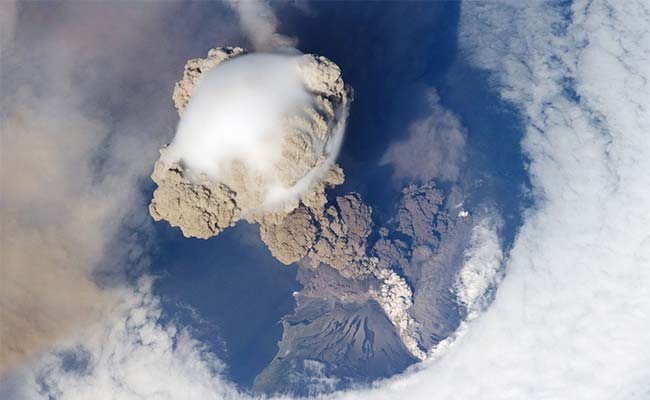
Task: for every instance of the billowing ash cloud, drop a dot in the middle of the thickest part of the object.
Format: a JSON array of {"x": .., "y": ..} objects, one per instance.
[{"x": 259, "y": 134}]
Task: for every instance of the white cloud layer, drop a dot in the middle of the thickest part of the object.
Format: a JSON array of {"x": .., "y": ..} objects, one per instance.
[
  {"x": 237, "y": 113},
  {"x": 129, "y": 355},
  {"x": 480, "y": 270}
]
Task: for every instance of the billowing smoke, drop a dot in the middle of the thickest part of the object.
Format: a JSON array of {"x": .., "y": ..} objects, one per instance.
[
  {"x": 236, "y": 114},
  {"x": 259, "y": 135}
]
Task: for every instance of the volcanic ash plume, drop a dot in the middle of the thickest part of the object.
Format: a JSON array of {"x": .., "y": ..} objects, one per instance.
[
  {"x": 257, "y": 141},
  {"x": 258, "y": 137}
]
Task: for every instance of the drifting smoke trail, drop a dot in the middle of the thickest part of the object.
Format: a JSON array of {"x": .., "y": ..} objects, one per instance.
[{"x": 260, "y": 24}]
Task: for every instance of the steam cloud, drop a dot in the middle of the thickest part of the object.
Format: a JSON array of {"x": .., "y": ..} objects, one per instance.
[{"x": 236, "y": 112}]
